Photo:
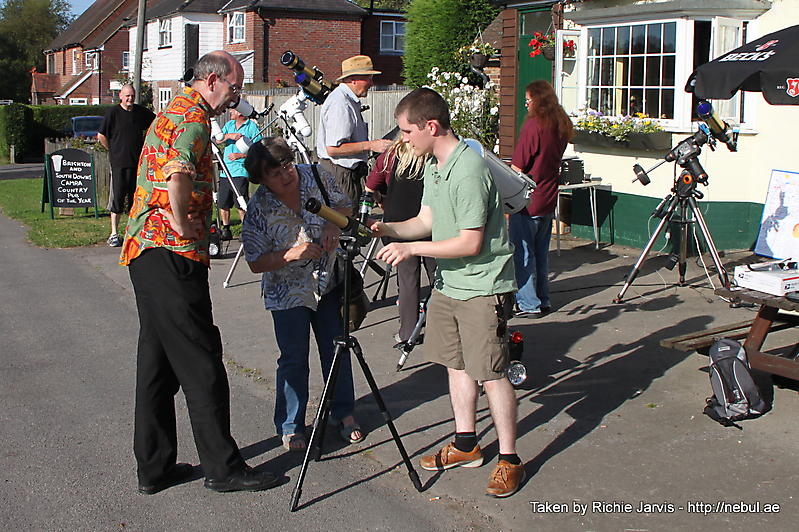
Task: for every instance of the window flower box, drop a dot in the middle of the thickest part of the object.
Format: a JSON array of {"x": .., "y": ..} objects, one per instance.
[{"x": 655, "y": 141}]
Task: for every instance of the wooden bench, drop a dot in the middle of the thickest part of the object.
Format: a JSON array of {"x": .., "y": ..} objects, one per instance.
[{"x": 753, "y": 332}]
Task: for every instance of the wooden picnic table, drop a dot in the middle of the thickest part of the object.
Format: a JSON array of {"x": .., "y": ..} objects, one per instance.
[{"x": 753, "y": 332}]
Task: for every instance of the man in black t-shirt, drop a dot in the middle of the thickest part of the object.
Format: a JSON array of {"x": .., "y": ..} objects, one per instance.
[{"x": 122, "y": 133}]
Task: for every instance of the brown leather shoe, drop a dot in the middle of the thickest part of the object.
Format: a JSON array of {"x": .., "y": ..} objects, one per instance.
[
  {"x": 506, "y": 479},
  {"x": 449, "y": 456}
]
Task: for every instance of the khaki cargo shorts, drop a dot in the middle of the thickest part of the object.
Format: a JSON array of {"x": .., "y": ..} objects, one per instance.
[{"x": 470, "y": 335}]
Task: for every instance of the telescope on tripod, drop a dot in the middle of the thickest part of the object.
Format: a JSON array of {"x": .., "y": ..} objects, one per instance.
[
  {"x": 682, "y": 199},
  {"x": 353, "y": 235}
]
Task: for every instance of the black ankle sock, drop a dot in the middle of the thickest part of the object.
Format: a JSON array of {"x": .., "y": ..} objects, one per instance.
[
  {"x": 512, "y": 458},
  {"x": 226, "y": 226},
  {"x": 465, "y": 441}
]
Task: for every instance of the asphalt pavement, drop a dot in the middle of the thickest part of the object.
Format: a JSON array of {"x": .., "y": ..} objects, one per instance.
[
  {"x": 610, "y": 424},
  {"x": 21, "y": 171}
]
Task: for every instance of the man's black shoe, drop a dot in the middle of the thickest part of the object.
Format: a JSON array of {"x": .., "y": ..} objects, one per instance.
[
  {"x": 175, "y": 476},
  {"x": 246, "y": 480},
  {"x": 226, "y": 234}
]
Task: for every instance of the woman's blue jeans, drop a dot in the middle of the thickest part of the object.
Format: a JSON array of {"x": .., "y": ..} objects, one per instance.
[
  {"x": 530, "y": 236},
  {"x": 293, "y": 334}
]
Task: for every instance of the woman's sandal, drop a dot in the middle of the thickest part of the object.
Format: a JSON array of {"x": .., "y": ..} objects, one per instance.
[
  {"x": 346, "y": 432},
  {"x": 294, "y": 442}
]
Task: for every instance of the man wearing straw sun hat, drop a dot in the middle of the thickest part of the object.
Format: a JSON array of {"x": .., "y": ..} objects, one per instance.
[{"x": 342, "y": 138}]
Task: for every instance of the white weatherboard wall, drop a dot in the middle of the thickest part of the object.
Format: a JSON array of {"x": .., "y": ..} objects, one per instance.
[{"x": 167, "y": 64}]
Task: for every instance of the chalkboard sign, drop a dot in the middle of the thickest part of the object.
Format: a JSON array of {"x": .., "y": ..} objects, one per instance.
[{"x": 70, "y": 176}]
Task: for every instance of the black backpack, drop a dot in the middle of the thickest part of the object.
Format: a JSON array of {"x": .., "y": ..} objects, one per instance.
[{"x": 735, "y": 394}]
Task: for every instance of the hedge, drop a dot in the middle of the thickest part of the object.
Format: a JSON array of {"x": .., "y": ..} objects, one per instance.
[
  {"x": 436, "y": 29},
  {"x": 14, "y": 120},
  {"x": 26, "y": 126}
]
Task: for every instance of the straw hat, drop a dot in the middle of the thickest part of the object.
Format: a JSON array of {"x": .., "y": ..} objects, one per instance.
[{"x": 357, "y": 65}]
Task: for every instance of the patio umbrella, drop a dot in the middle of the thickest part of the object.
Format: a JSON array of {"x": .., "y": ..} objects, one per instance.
[{"x": 769, "y": 65}]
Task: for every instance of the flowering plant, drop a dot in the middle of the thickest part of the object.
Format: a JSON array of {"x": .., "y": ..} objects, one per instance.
[
  {"x": 474, "y": 112},
  {"x": 618, "y": 128},
  {"x": 466, "y": 51},
  {"x": 569, "y": 48},
  {"x": 541, "y": 40}
]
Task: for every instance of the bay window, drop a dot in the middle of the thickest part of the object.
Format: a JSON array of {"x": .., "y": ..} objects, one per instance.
[{"x": 627, "y": 68}]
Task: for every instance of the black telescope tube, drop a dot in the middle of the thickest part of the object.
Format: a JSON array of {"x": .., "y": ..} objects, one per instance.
[
  {"x": 348, "y": 225},
  {"x": 718, "y": 127}
]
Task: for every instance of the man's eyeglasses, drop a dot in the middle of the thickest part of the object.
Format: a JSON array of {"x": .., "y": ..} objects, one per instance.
[{"x": 235, "y": 88}]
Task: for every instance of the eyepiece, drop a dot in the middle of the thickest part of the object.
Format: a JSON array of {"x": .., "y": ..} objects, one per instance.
[
  {"x": 290, "y": 60},
  {"x": 313, "y": 205}
]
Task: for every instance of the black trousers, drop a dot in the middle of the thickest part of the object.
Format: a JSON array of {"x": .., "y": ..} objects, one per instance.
[
  {"x": 123, "y": 186},
  {"x": 409, "y": 278},
  {"x": 179, "y": 346}
]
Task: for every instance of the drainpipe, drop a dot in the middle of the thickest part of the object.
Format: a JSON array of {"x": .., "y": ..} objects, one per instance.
[
  {"x": 479, "y": 72},
  {"x": 140, "y": 29}
]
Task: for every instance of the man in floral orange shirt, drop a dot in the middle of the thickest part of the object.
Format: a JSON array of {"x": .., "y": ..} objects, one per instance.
[{"x": 166, "y": 249}]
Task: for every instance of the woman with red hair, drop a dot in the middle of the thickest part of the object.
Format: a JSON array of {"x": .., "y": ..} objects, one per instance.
[{"x": 543, "y": 139}]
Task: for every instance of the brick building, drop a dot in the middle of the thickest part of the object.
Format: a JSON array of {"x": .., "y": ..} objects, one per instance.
[{"x": 84, "y": 61}]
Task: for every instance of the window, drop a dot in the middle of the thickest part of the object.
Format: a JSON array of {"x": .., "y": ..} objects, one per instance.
[
  {"x": 89, "y": 60},
  {"x": 164, "y": 95},
  {"x": 75, "y": 59},
  {"x": 165, "y": 32},
  {"x": 631, "y": 69},
  {"x": 567, "y": 84},
  {"x": 642, "y": 67},
  {"x": 51, "y": 64},
  {"x": 235, "y": 27},
  {"x": 392, "y": 37},
  {"x": 125, "y": 60},
  {"x": 78, "y": 101},
  {"x": 728, "y": 34}
]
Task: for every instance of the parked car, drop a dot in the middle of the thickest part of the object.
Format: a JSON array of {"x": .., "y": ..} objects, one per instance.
[{"x": 83, "y": 127}]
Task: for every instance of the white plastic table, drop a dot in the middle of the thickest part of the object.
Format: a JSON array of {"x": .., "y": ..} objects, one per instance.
[{"x": 591, "y": 186}]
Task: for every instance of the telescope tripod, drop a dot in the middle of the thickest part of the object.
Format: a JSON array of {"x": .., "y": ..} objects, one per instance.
[
  {"x": 346, "y": 344},
  {"x": 239, "y": 202},
  {"x": 675, "y": 208}
]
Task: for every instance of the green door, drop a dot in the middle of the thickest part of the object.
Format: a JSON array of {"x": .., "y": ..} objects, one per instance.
[{"x": 531, "y": 68}]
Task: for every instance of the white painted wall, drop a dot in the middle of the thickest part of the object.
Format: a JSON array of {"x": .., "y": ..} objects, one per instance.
[{"x": 740, "y": 176}]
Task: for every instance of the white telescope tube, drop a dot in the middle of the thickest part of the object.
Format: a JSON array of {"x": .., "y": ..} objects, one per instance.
[
  {"x": 515, "y": 188},
  {"x": 216, "y": 131}
]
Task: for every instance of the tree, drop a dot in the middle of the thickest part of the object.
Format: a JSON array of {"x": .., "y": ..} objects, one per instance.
[
  {"x": 395, "y": 5},
  {"x": 29, "y": 26},
  {"x": 436, "y": 29},
  {"x": 12, "y": 70}
]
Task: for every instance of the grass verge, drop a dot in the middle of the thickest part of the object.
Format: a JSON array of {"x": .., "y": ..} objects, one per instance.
[{"x": 21, "y": 200}]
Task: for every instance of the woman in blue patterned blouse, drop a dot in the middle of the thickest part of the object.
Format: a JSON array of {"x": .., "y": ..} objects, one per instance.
[{"x": 295, "y": 251}]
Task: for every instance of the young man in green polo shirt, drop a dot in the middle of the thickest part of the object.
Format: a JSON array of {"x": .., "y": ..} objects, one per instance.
[{"x": 474, "y": 283}]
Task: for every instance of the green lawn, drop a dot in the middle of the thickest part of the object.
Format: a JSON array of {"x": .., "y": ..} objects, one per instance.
[{"x": 21, "y": 199}]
